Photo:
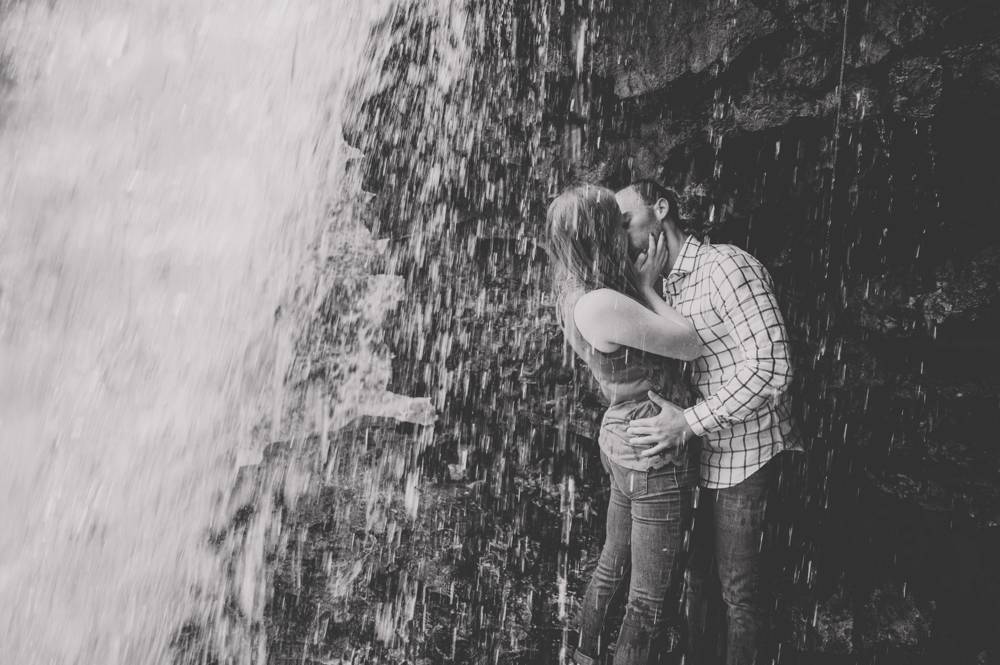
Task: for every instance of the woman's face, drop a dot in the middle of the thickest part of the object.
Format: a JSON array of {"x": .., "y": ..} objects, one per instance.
[{"x": 638, "y": 220}]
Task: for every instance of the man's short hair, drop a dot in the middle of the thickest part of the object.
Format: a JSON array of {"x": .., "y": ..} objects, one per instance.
[{"x": 651, "y": 191}]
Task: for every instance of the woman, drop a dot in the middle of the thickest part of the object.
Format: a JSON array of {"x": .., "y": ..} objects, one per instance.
[{"x": 623, "y": 342}]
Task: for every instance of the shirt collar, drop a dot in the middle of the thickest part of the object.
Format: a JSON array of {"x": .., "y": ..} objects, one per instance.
[{"x": 686, "y": 259}]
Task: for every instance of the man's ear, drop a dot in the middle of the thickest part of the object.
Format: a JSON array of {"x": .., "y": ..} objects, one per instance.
[{"x": 661, "y": 208}]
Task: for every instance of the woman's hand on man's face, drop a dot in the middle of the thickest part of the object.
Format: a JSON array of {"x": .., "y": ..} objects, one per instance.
[{"x": 651, "y": 262}]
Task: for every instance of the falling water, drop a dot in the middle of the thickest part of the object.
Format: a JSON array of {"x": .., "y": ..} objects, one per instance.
[{"x": 166, "y": 174}]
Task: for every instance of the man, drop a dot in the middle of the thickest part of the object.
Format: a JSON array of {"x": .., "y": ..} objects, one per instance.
[{"x": 743, "y": 418}]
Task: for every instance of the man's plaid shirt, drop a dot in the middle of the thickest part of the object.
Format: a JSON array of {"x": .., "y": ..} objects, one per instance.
[{"x": 744, "y": 416}]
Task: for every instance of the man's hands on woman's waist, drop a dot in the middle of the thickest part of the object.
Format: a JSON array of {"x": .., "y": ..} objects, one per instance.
[{"x": 667, "y": 429}]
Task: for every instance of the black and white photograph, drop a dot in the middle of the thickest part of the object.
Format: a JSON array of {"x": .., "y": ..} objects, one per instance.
[{"x": 499, "y": 332}]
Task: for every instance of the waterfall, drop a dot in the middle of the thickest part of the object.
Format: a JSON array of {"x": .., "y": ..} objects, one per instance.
[{"x": 166, "y": 177}]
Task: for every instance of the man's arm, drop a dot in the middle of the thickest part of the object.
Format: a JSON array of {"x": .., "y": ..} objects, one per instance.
[{"x": 743, "y": 295}]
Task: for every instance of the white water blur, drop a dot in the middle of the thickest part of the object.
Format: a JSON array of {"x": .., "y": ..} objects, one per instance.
[{"x": 164, "y": 166}]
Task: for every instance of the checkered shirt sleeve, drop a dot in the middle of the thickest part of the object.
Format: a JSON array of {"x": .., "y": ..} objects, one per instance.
[{"x": 740, "y": 290}]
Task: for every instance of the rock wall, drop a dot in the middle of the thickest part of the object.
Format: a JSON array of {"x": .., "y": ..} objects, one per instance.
[{"x": 849, "y": 145}]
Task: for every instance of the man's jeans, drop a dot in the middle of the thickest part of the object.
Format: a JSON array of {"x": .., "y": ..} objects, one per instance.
[
  {"x": 728, "y": 534},
  {"x": 648, "y": 513}
]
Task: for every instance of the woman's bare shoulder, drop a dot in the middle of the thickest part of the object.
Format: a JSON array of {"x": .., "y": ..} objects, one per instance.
[{"x": 597, "y": 315}]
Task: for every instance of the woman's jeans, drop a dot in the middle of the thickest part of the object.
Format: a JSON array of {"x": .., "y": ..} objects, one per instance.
[
  {"x": 727, "y": 535},
  {"x": 648, "y": 513}
]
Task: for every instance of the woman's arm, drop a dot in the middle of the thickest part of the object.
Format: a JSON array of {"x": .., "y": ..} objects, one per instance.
[{"x": 608, "y": 320}]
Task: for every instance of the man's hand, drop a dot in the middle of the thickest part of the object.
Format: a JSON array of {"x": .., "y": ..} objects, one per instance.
[{"x": 667, "y": 429}]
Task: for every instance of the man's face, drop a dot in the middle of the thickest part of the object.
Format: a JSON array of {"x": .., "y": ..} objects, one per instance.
[{"x": 638, "y": 219}]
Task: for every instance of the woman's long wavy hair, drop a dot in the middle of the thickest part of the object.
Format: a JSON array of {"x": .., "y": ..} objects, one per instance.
[{"x": 587, "y": 247}]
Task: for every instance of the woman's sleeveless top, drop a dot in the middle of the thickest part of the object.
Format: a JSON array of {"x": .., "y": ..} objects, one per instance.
[{"x": 625, "y": 377}]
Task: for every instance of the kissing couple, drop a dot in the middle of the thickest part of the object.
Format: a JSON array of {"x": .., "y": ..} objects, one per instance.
[{"x": 635, "y": 293}]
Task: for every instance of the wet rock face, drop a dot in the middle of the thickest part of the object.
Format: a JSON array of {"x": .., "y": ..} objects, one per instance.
[
  {"x": 969, "y": 294},
  {"x": 916, "y": 87},
  {"x": 976, "y": 68},
  {"x": 655, "y": 43},
  {"x": 901, "y": 22}
]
